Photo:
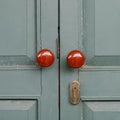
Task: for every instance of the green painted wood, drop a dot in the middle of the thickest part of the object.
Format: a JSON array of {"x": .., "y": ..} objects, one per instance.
[
  {"x": 17, "y": 110},
  {"x": 17, "y": 26},
  {"x": 93, "y": 27},
  {"x": 107, "y": 28},
  {"x": 101, "y": 111},
  {"x": 101, "y": 26},
  {"x": 49, "y": 33},
  {"x": 69, "y": 20},
  {"x": 100, "y": 85},
  {"x": 20, "y": 83},
  {"x": 26, "y": 26}
]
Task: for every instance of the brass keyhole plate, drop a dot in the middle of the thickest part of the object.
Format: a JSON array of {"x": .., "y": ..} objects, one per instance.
[{"x": 74, "y": 92}]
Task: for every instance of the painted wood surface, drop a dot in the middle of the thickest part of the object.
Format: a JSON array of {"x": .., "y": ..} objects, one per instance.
[
  {"x": 91, "y": 26},
  {"x": 26, "y": 26},
  {"x": 101, "y": 110},
  {"x": 18, "y": 109}
]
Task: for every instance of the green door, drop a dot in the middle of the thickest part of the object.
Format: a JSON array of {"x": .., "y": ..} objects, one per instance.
[
  {"x": 27, "y": 91},
  {"x": 92, "y": 26}
]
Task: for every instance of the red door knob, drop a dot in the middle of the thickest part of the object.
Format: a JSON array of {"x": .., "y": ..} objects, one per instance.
[
  {"x": 45, "y": 57},
  {"x": 75, "y": 59}
]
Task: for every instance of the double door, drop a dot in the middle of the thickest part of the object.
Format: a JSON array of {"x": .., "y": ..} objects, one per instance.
[{"x": 32, "y": 92}]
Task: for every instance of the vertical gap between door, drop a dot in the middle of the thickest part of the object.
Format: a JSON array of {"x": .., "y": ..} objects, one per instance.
[{"x": 59, "y": 57}]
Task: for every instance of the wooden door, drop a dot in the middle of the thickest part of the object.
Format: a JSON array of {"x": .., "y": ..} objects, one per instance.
[
  {"x": 91, "y": 26},
  {"x": 27, "y": 91}
]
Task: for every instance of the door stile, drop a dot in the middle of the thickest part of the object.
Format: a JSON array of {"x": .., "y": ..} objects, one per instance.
[
  {"x": 49, "y": 33},
  {"x": 70, "y": 34}
]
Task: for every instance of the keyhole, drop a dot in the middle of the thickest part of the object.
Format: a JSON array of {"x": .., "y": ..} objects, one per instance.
[{"x": 75, "y": 88}]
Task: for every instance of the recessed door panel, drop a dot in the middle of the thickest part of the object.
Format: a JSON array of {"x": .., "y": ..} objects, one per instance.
[
  {"x": 101, "y": 111},
  {"x": 17, "y": 31},
  {"x": 107, "y": 28},
  {"x": 18, "y": 110},
  {"x": 100, "y": 85},
  {"x": 101, "y": 32},
  {"x": 20, "y": 83}
]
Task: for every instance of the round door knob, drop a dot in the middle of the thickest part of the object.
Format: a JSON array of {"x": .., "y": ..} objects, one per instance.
[
  {"x": 45, "y": 58},
  {"x": 75, "y": 59}
]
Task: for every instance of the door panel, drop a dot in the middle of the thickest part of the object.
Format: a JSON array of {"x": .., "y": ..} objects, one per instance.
[
  {"x": 18, "y": 109},
  {"x": 12, "y": 84},
  {"x": 91, "y": 26},
  {"x": 101, "y": 111},
  {"x": 17, "y": 31},
  {"x": 100, "y": 85},
  {"x": 101, "y": 32},
  {"x": 107, "y": 28},
  {"x": 27, "y": 26}
]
